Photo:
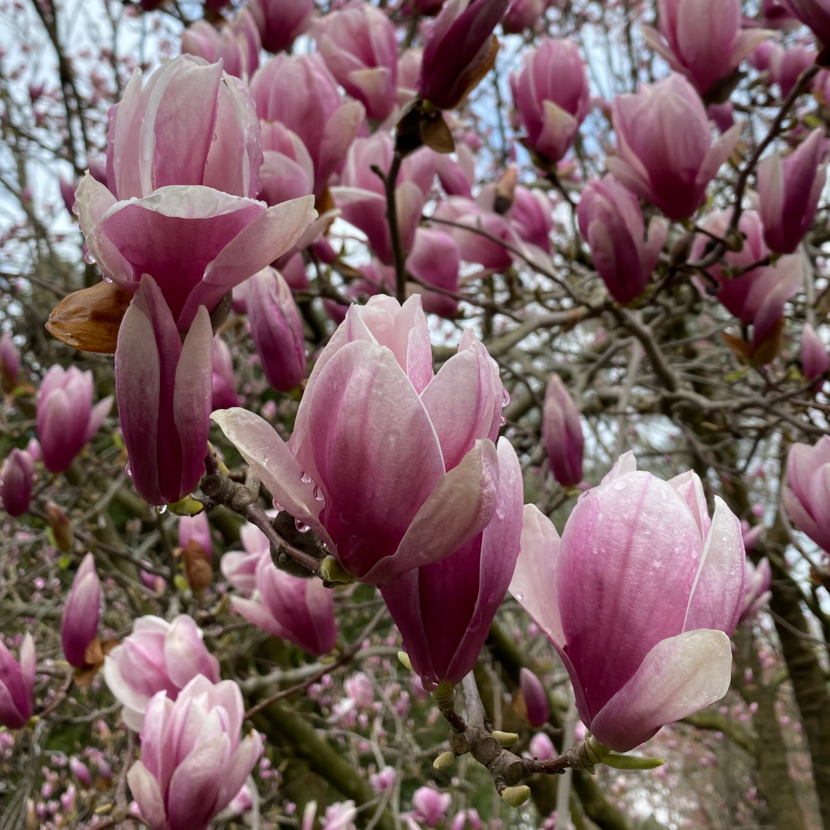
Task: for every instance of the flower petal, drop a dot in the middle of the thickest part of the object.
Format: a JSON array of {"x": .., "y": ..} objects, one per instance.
[
  {"x": 679, "y": 676},
  {"x": 461, "y": 505}
]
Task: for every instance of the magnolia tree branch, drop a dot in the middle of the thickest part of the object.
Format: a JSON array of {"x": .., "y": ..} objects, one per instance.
[
  {"x": 242, "y": 499},
  {"x": 390, "y": 184}
]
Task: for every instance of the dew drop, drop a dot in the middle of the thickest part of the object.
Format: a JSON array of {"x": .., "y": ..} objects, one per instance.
[
  {"x": 76, "y": 209},
  {"x": 107, "y": 279},
  {"x": 128, "y": 472},
  {"x": 619, "y": 484},
  {"x": 89, "y": 258},
  {"x": 161, "y": 509},
  {"x": 505, "y": 398},
  {"x": 278, "y": 507},
  {"x": 318, "y": 493},
  {"x": 305, "y": 478},
  {"x": 502, "y": 421},
  {"x": 301, "y": 527}
]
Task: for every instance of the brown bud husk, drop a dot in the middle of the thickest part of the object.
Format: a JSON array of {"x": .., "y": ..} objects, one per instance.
[
  {"x": 422, "y": 124},
  {"x": 60, "y": 526},
  {"x": 89, "y": 319},
  {"x": 197, "y": 568},
  {"x": 506, "y": 190},
  {"x": 94, "y": 656}
]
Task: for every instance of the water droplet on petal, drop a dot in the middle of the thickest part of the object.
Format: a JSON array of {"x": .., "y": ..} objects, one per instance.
[
  {"x": 306, "y": 478},
  {"x": 161, "y": 509},
  {"x": 128, "y": 472},
  {"x": 301, "y": 526},
  {"x": 278, "y": 507},
  {"x": 318, "y": 493},
  {"x": 76, "y": 209},
  {"x": 505, "y": 398},
  {"x": 502, "y": 421},
  {"x": 107, "y": 279},
  {"x": 89, "y": 258},
  {"x": 619, "y": 484}
]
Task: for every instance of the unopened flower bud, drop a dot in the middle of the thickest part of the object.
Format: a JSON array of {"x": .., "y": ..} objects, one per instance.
[
  {"x": 60, "y": 526},
  {"x": 516, "y": 796},
  {"x": 444, "y": 761},
  {"x": 506, "y": 738},
  {"x": 535, "y": 698},
  {"x": 81, "y": 772}
]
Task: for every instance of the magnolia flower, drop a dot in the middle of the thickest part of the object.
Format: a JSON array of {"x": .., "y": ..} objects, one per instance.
[
  {"x": 192, "y": 761},
  {"x": 639, "y": 598},
  {"x": 157, "y": 657},
  {"x": 408, "y": 452}
]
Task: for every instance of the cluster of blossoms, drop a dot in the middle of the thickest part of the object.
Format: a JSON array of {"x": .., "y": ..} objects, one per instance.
[{"x": 398, "y": 472}]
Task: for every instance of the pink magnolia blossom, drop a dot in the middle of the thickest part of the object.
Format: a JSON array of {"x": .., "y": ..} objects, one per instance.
[
  {"x": 535, "y": 698},
  {"x": 300, "y": 92},
  {"x": 409, "y": 70},
  {"x": 805, "y": 495},
  {"x": 79, "y": 623},
  {"x": 541, "y": 747},
  {"x": 816, "y": 15},
  {"x": 197, "y": 529},
  {"x": 339, "y": 816},
  {"x": 81, "y": 772},
  {"x": 294, "y": 609},
  {"x": 163, "y": 388},
  {"x": 552, "y": 96},
  {"x": 435, "y": 260},
  {"x": 562, "y": 433},
  {"x": 758, "y": 592},
  {"x": 444, "y": 610},
  {"x": 157, "y": 657},
  {"x": 383, "y": 780},
  {"x": 751, "y": 535},
  {"x": 17, "y": 684},
  {"x": 287, "y": 170},
  {"x": 430, "y": 805},
  {"x": 192, "y": 761},
  {"x": 359, "y": 47},
  {"x": 236, "y": 44},
  {"x": 474, "y": 247},
  {"x": 814, "y": 357},
  {"x": 408, "y": 451},
  {"x": 652, "y": 161},
  {"x": 239, "y": 567},
  {"x": 276, "y": 329},
  {"x": 16, "y": 479},
  {"x": 778, "y": 14},
  {"x": 457, "y": 175},
  {"x": 789, "y": 191},
  {"x": 361, "y": 194},
  {"x": 759, "y": 295},
  {"x": 612, "y": 224},
  {"x": 182, "y": 211},
  {"x": 639, "y": 598},
  {"x": 66, "y": 418},
  {"x": 723, "y": 115},
  {"x": 703, "y": 39},
  {"x": 9, "y": 363},
  {"x": 531, "y": 216},
  {"x": 524, "y": 14},
  {"x": 280, "y": 22},
  {"x": 222, "y": 382},
  {"x": 458, "y": 48},
  {"x": 786, "y": 65}
]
